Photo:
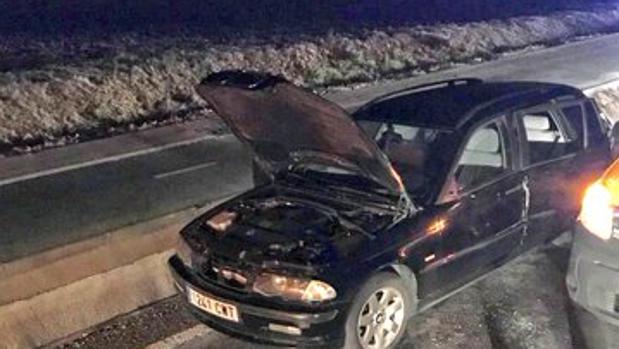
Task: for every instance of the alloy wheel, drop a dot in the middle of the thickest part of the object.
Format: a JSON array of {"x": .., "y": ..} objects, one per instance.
[{"x": 381, "y": 318}]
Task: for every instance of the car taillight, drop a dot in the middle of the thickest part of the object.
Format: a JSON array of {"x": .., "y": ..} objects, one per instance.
[{"x": 598, "y": 212}]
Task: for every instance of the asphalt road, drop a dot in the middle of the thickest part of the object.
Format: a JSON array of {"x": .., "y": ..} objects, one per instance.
[
  {"x": 73, "y": 205},
  {"x": 48, "y": 211}
]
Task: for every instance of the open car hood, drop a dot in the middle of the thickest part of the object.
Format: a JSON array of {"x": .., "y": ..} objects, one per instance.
[{"x": 285, "y": 125}]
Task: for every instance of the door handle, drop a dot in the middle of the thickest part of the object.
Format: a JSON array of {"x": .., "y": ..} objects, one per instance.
[{"x": 527, "y": 190}]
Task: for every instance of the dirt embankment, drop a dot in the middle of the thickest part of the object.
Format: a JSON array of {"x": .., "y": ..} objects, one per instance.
[{"x": 134, "y": 79}]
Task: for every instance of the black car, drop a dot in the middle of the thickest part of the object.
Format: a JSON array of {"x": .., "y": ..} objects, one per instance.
[{"x": 368, "y": 219}]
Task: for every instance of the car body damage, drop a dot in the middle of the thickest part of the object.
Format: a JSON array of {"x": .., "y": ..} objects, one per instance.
[{"x": 337, "y": 247}]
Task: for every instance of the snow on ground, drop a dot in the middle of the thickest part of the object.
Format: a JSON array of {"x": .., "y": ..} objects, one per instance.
[
  {"x": 84, "y": 86},
  {"x": 608, "y": 101},
  {"x": 522, "y": 305}
]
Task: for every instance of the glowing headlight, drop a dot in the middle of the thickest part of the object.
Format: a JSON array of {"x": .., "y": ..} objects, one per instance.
[
  {"x": 293, "y": 288},
  {"x": 597, "y": 212},
  {"x": 183, "y": 251}
]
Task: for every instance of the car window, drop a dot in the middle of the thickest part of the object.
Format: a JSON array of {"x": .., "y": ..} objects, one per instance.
[
  {"x": 575, "y": 126},
  {"x": 415, "y": 152},
  {"x": 483, "y": 158},
  {"x": 545, "y": 138}
]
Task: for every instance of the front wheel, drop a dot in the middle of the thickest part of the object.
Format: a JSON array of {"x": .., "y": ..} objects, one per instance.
[{"x": 379, "y": 314}]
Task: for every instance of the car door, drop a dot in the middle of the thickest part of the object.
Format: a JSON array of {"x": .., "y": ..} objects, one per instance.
[
  {"x": 555, "y": 162},
  {"x": 486, "y": 221}
]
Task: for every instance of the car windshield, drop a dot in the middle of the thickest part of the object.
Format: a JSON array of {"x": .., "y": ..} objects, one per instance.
[{"x": 418, "y": 154}]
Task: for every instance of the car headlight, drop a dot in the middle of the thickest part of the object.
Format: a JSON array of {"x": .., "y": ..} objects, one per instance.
[
  {"x": 597, "y": 212},
  {"x": 293, "y": 288},
  {"x": 183, "y": 251}
]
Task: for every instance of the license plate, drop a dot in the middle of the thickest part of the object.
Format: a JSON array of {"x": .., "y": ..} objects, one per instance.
[{"x": 212, "y": 306}]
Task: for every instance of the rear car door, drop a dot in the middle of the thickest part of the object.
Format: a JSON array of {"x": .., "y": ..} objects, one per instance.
[{"x": 559, "y": 158}]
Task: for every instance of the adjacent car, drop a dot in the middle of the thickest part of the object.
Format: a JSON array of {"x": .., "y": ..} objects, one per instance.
[
  {"x": 367, "y": 219},
  {"x": 593, "y": 274}
]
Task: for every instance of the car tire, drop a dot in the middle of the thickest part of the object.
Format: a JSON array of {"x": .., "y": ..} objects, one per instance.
[{"x": 370, "y": 314}]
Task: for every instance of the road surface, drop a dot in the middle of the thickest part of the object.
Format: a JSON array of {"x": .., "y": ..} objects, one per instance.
[{"x": 39, "y": 213}]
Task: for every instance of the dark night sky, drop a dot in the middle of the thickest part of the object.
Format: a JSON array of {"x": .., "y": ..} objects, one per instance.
[{"x": 48, "y": 16}]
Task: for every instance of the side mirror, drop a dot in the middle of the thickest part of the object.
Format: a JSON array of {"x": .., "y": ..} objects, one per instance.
[{"x": 450, "y": 193}]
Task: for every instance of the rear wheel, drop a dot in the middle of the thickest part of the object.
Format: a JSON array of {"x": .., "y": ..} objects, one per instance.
[{"x": 379, "y": 314}]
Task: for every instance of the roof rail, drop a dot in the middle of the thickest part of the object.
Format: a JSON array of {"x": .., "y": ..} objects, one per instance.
[
  {"x": 249, "y": 80},
  {"x": 449, "y": 82}
]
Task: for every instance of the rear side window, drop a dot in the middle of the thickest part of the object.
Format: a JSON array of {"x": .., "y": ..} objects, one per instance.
[{"x": 545, "y": 137}]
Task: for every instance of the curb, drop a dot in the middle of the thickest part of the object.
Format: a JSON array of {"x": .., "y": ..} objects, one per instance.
[{"x": 60, "y": 292}]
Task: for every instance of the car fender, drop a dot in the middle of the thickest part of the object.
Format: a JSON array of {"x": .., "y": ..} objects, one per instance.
[{"x": 409, "y": 278}]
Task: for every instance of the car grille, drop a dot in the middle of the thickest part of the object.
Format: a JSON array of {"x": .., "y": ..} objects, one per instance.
[{"x": 226, "y": 273}]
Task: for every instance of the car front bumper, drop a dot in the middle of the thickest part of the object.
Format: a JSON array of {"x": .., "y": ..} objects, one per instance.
[
  {"x": 315, "y": 330},
  {"x": 593, "y": 275}
]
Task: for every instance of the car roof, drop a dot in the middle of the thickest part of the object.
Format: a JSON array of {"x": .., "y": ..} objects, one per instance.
[{"x": 453, "y": 103}]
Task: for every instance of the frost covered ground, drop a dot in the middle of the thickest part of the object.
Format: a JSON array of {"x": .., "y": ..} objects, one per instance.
[
  {"x": 608, "y": 101},
  {"x": 60, "y": 91}
]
